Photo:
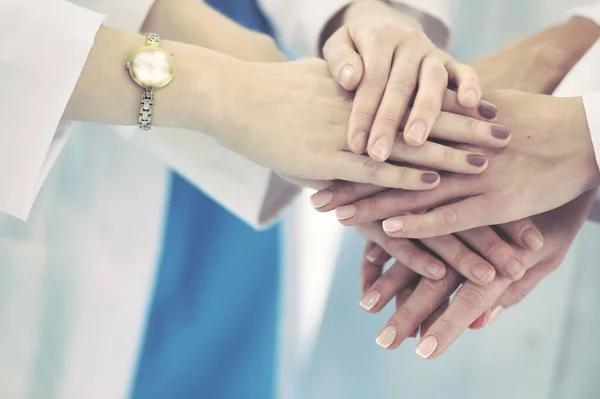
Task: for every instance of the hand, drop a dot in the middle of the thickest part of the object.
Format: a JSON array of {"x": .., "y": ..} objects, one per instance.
[
  {"x": 468, "y": 250},
  {"x": 550, "y": 162},
  {"x": 294, "y": 117},
  {"x": 542, "y": 59},
  {"x": 426, "y": 302},
  {"x": 385, "y": 56}
]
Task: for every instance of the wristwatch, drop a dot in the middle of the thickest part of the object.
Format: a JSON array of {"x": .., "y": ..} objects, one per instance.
[{"x": 150, "y": 67}]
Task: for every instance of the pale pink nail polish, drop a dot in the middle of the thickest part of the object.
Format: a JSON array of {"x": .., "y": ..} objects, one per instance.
[
  {"x": 393, "y": 225},
  {"x": 532, "y": 240},
  {"x": 386, "y": 338},
  {"x": 471, "y": 96},
  {"x": 427, "y": 346},
  {"x": 321, "y": 198},
  {"x": 374, "y": 253},
  {"x": 382, "y": 148},
  {"x": 346, "y": 212},
  {"x": 370, "y": 300},
  {"x": 346, "y": 74},
  {"x": 416, "y": 133}
]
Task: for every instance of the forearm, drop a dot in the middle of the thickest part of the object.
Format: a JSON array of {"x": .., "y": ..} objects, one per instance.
[
  {"x": 194, "y": 22},
  {"x": 201, "y": 90}
]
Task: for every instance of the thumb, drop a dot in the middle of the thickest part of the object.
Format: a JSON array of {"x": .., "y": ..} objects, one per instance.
[{"x": 345, "y": 64}]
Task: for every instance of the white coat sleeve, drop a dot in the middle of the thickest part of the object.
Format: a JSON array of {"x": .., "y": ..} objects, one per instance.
[
  {"x": 43, "y": 50},
  {"x": 299, "y": 23}
]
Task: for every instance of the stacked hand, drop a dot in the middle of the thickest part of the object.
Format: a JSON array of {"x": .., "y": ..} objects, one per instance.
[{"x": 548, "y": 170}]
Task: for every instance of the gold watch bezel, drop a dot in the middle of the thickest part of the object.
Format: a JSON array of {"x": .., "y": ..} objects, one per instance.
[{"x": 159, "y": 84}]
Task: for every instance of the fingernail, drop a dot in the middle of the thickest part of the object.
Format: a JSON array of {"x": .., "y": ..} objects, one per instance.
[
  {"x": 482, "y": 272},
  {"x": 393, "y": 225},
  {"x": 471, "y": 96},
  {"x": 382, "y": 148},
  {"x": 488, "y": 111},
  {"x": 346, "y": 74},
  {"x": 514, "y": 269},
  {"x": 436, "y": 270},
  {"x": 430, "y": 177},
  {"x": 427, "y": 346},
  {"x": 494, "y": 315},
  {"x": 532, "y": 239},
  {"x": 416, "y": 133},
  {"x": 359, "y": 142},
  {"x": 321, "y": 198},
  {"x": 500, "y": 132},
  {"x": 346, "y": 212},
  {"x": 476, "y": 160},
  {"x": 374, "y": 253},
  {"x": 369, "y": 301},
  {"x": 386, "y": 338}
]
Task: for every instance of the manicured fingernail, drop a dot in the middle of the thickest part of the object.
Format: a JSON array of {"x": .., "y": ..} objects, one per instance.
[
  {"x": 427, "y": 346},
  {"x": 482, "y": 272},
  {"x": 393, "y": 225},
  {"x": 430, "y": 177},
  {"x": 476, "y": 160},
  {"x": 374, "y": 253},
  {"x": 500, "y": 132},
  {"x": 495, "y": 314},
  {"x": 436, "y": 270},
  {"x": 416, "y": 133},
  {"x": 321, "y": 198},
  {"x": 386, "y": 338},
  {"x": 382, "y": 148},
  {"x": 532, "y": 239},
  {"x": 359, "y": 142},
  {"x": 471, "y": 97},
  {"x": 346, "y": 212},
  {"x": 369, "y": 301},
  {"x": 514, "y": 269},
  {"x": 346, "y": 74},
  {"x": 488, "y": 111}
]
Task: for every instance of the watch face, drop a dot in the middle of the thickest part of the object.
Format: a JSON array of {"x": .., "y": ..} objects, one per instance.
[{"x": 151, "y": 67}]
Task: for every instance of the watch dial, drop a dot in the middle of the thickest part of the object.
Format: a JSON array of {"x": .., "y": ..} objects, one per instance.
[{"x": 151, "y": 67}]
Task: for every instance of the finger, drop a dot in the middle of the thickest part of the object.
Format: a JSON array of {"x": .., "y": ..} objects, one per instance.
[
  {"x": 519, "y": 290},
  {"x": 465, "y": 307},
  {"x": 362, "y": 169},
  {"x": 466, "y": 80},
  {"x": 460, "y": 257},
  {"x": 448, "y": 219},
  {"x": 498, "y": 252},
  {"x": 440, "y": 157},
  {"x": 342, "y": 193},
  {"x": 345, "y": 64},
  {"x": 377, "y": 61},
  {"x": 433, "y": 317},
  {"x": 426, "y": 298},
  {"x": 415, "y": 258},
  {"x": 480, "y": 322},
  {"x": 468, "y": 130},
  {"x": 394, "y": 104},
  {"x": 393, "y": 203},
  {"x": 485, "y": 110},
  {"x": 374, "y": 259},
  {"x": 524, "y": 233},
  {"x": 386, "y": 287},
  {"x": 433, "y": 80},
  {"x": 403, "y": 296}
]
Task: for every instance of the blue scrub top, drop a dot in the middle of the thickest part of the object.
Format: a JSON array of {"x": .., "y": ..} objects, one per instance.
[{"x": 212, "y": 327}]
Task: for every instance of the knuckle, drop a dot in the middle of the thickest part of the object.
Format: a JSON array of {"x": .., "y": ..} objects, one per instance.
[
  {"x": 372, "y": 168},
  {"x": 364, "y": 115},
  {"x": 517, "y": 293},
  {"x": 496, "y": 248},
  {"x": 448, "y": 155},
  {"x": 444, "y": 325},
  {"x": 429, "y": 108},
  {"x": 416, "y": 258},
  {"x": 439, "y": 287},
  {"x": 405, "y": 314},
  {"x": 404, "y": 87},
  {"x": 388, "y": 122},
  {"x": 448, "y": 217},
  {"x": 415, "y": 34},
  {"x": 469, "y": 297},
  {"x": 471, "y": 124},
  {"x": 435, "y": 69},
  {"x": 368, "y": 37}
]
